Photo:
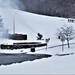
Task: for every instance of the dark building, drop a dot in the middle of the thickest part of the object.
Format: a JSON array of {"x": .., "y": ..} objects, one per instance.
[{"x": 18, "y": 36}]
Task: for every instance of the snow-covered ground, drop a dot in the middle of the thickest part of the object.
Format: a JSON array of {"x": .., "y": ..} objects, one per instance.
[{"x": 31, "y": 24}]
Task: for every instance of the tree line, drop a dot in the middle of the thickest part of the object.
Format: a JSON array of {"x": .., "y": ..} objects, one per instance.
[{"x": 61, "y": 8}]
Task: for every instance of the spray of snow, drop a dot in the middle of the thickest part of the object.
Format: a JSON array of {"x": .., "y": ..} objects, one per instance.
[
  {"x": 16, "y": 4},
  {"x": 12, "y": 4}
]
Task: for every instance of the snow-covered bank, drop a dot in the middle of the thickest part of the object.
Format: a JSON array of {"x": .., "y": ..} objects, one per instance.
[{"x": 54, "y": 65}]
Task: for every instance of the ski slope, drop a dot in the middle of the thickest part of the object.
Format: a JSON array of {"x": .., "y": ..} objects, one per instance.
[{"x": 31, "y": 24}]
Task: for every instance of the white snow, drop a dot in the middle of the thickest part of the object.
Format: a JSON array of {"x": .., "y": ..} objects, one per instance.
[{"x": 31, "y": 24}]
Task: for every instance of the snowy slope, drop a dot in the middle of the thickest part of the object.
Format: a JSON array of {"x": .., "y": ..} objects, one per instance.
[
  {"x": 26, "y": 22},
  {"x": 31, "y": 24}
]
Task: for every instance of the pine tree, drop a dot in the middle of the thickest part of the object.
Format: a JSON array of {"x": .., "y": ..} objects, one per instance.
[
  {"x": 3, "y": 30},
  {"x": 1, "y": 23}
]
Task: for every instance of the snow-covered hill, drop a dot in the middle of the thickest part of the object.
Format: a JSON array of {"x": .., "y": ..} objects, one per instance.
[{"x": 31, "y": 24}]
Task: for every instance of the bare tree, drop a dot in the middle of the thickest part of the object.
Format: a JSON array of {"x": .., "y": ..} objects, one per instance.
[
  {"x": 61, "y": 37},
  {"x": 67, "y": 33}
]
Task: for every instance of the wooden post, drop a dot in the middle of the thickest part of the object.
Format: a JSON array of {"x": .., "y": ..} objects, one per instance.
[
  {"x": 47, "y": 40},
  {"x": 32, "y": 49},
  {"x": 62, "y": 46}
]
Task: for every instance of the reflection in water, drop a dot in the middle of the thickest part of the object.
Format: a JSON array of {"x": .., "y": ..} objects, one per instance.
[{"x": 7, "y": 59}]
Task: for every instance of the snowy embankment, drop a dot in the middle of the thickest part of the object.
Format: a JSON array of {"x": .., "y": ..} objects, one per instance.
[{"x": 31, "y": 24}]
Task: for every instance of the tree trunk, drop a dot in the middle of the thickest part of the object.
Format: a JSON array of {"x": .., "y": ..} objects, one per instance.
[
  {"x": 68, "y": 43},
  {"x": 62, "y": 46}
]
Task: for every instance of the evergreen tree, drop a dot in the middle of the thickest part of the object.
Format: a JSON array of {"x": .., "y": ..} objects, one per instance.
[{"x": 1, "y": 23}]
